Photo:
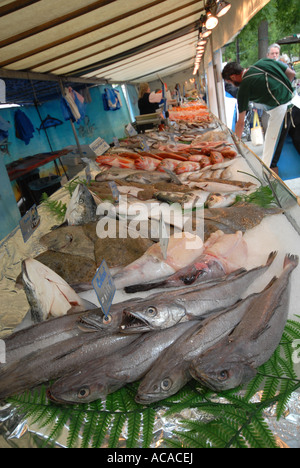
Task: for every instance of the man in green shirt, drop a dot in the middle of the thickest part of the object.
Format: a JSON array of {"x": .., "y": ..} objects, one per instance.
[{"x": 266, "y": 82}]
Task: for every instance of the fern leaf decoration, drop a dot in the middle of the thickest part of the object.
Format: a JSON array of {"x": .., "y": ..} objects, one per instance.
[{"x": 57, "y": 208}]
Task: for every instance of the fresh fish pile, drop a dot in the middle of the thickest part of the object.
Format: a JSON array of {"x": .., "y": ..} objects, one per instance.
[
  {"x": 200, "y": 323},
  {"x": 88, "y": 358}
]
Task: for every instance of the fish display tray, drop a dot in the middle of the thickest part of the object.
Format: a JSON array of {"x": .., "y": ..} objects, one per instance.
[{"x": 275, "y": 233}]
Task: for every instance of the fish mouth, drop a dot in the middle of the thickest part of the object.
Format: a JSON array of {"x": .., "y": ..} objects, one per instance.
[
  {"x": 146, "y": 399},
  {"x": 131, "y": 324}
]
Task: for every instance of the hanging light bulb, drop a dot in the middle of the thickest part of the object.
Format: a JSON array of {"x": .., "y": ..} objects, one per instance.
[
  {"x": 211, "y": 21},
  {"x": 222, "y": 8}
]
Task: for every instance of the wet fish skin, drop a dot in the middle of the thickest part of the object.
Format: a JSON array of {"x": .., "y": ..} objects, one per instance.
[
  {"x": 190, "y": 303},
  {"x": 171, "y": 370},
  {"x": 81, "y": 208},
  {"x": 69, "y": 240},
  {"x": 98, "y": 379},
  {"x": 56, "y": 360},
  {"x": 234, "y": 360},
  {"x": 40, "y": 335}
]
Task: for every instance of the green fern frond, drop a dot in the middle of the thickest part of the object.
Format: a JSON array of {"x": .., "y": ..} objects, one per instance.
[{"x": 57, "y": 208}]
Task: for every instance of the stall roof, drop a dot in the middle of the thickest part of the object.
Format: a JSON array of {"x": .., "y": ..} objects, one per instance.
[{"x": 108, "y": 40}]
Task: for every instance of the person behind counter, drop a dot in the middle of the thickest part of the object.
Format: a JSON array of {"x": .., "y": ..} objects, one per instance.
[
  {"x": 266, "y": 82},
  {"x": 148, "y": 102}
]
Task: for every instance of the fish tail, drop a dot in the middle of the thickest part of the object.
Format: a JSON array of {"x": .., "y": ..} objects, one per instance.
[
  {"x": 271, "y": 258},
  {"x": 291, "y": 259}
]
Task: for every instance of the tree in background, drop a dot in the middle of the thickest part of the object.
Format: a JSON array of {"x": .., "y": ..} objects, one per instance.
[{"x": 279, "y": 18}]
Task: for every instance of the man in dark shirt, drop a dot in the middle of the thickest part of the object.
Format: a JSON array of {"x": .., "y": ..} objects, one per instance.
[{"x": 266, "y": 82}]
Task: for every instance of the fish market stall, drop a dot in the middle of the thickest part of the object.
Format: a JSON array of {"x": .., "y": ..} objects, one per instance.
[{"x": 255, "y": 237}]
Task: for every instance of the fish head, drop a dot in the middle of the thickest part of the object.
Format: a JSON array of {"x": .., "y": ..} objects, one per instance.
[
  {"x": 82, "y": 207},
  {"x": 160, "y": 383},
  {"x": 152, "y": 315},
  {"x": 61, "y": 239},
  {"x": 47, "y": 293},
  {"x": 79, "y": 387},
  {"x": 221, "y": 372}
]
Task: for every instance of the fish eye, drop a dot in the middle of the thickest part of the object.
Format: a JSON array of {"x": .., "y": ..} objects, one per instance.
[
  {"x": 223, "y": 375},
  {"x": 166, "y": 384},
  {"x": 69, "y": 237},
  {"x": 83, "y": 392},
  {"x": 81, "y": 201},
  {"x": 152, "y": 311}
]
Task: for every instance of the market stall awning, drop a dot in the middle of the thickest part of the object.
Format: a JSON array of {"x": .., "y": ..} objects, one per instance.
[{"x": 111, "y": 40}]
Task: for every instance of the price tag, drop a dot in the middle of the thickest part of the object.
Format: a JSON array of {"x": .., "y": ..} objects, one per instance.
[
  {"x": 116, "y": 142},
  {"x": 163, "y": 236},
  {"x": 29, "y": 223},
  {"x": 114, "y": 190},
  {"x": 130, "y": 130},
  {"x": 144, "y": 144},
  {"x": 99, "y": 146},
  {"x": 104, "y": 287}
]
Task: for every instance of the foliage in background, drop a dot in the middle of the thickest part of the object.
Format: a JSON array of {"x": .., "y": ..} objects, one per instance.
[
  {"x": 283, "y": 20},
  {"x": 229, "y": 419}
]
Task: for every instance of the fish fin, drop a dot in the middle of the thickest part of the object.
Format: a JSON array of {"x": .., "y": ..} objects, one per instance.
[
  {"x": 271, "y": 258},
  {"x": 291, "y": 259}
]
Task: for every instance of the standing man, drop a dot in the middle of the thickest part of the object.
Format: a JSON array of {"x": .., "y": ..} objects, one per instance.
[{"x": 266, "y": 82}]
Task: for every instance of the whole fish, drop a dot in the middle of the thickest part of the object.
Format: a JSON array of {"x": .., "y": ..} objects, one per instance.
[
  {"x": 114, "y": 173},
  {"x": 220, "y": 200},
  {"x": 239, "y": 217},
  {"x": 47, "y": 293},
  {"x": 180, "y": 252},
  {"x": 81, "y": 208},
  {"x": 34, "y": 337},
  {"x": 188, "y": 200},
  {"x": 190, "y": 303},
  {"x": 171, "y": 370},
  {"x": 222, "y": 254},
  {"x": 56, "y": 360},
  {"x": 100, "y": 377},
  {"x": 235, "y": 359},
  {"x": 221, "y": 185}
]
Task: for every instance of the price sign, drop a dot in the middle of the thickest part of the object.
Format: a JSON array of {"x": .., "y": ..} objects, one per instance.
[
  {"x": 104, "y": 287},
  {"x": 99, "y": 146},
  {"x": 114, "y": 190},
  {"x": 29, "y": 223}
]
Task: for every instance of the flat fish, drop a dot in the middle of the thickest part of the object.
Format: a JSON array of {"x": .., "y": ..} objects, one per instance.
[{"x": 240, "y": 217}]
